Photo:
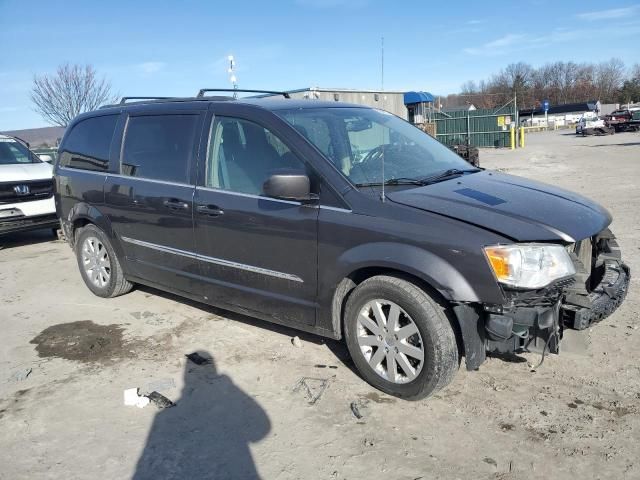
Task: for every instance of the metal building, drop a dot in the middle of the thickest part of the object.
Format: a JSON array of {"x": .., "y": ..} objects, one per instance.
[{"x": 391, "y": 101}]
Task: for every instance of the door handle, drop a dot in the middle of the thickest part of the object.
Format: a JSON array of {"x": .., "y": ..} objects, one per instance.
[
  {"x": 210, "y": 210},
  {"x": 175, "y": 204}
]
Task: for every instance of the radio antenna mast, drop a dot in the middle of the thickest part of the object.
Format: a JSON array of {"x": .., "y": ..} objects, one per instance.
[
  {"x": 382, "y": 64},
  {"x": 382, "y": 195},
  {"x": 232, "y": 75}
]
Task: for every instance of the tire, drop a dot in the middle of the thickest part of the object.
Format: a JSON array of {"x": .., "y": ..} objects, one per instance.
[
  {"x": 434, "y": 336},
  {"x": 93, "y": 246}
]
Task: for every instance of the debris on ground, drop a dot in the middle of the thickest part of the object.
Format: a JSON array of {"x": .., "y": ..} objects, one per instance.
[
  {"x": 296, "y": 342},
  {"x": 132, "y": 398},
  {"x": 159, "y": 385},
  {"x": 322, "y": 365},
  {"x": 21, "y": 374},
  {"x": 490, "y": 461},
  {"x": 313, "y": 388},
  {"x": 358, "y": 406},
  {"x": 160, "y": 400},
  {"x": 198, "y": 359}
]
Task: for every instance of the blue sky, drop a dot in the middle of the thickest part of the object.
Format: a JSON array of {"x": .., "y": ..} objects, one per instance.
[{"x": 175, "y": 48}]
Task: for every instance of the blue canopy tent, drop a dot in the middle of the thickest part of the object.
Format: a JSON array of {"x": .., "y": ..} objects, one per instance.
[
  {"x": 419, "y": 106},
  {"x": 417, "y": 97}
]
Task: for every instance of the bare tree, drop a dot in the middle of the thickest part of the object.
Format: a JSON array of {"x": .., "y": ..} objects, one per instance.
[
  {"x": 630, "y": 91},
  {"x": 72, "y": 90},
  {"x": 609, "y": 78}
]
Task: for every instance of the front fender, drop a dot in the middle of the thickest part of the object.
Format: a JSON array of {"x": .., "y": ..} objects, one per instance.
[
  {"x": 467, "y": 283},
  {"x": 432, "y": 269}
]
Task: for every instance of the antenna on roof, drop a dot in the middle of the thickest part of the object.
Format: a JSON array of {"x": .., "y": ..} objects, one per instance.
[
  {"x": 382, "y": 64},
  {"x": 382, "y": 195},
  {"x": 232, "y": 75}
]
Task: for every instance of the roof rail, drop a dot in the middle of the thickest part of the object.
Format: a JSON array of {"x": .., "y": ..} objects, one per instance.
[
  {"x": 205, "y": 90},
  {"x": 124, "y": 100}
]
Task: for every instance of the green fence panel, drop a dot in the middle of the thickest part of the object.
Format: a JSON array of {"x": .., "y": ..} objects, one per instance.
[{"x": 483, "y": 127}]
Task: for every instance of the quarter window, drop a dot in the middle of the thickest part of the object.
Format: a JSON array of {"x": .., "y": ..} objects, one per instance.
[
  {"x": 159, "y": 147},
  {"x": 88, "y": 144},
  {"x": 242, "y": 155}
]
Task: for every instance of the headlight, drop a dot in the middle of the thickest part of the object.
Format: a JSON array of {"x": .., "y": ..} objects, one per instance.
[{"x": 529, "y": 266}]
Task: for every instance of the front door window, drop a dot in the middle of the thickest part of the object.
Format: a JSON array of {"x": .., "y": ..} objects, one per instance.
[{"x": 242, "y": 155}]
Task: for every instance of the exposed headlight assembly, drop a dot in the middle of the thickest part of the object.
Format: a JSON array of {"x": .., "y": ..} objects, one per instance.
[{"x": 529, "y": 266}]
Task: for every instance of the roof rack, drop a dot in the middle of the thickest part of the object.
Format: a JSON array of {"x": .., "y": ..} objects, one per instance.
[
  {"x": 124, "y": 100},
  {"x": 272, "y": 92}
]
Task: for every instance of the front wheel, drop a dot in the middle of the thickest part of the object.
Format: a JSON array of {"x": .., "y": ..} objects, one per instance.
[
  {"x": 400, "y": 338},
  {"x": 99, "y": 265}
]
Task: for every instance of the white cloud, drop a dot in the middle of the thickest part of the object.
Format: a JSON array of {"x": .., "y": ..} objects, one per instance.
[
  {"x": 498, "y": 46},
  {"x": 512, "y": 42},
  {"x": 151, "y": 67},
  {"x": 505, "y": 41},
  {"x": 612, "y": 13}
]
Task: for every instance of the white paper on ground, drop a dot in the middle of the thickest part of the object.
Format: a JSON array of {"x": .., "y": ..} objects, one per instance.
[{"x": 132, "y": 398}]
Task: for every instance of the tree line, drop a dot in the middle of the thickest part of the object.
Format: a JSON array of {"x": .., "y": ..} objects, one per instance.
[{"x": 559, "y": 82}]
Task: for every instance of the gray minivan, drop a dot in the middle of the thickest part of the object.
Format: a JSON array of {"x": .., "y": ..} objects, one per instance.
[{"x": 335, "y": 219}]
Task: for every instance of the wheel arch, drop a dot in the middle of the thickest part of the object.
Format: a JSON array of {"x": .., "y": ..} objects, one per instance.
[
  {"x": 83, "y": 214},
  {"x": 346, "y": 286},
  {"x": 434, "y": 275}
]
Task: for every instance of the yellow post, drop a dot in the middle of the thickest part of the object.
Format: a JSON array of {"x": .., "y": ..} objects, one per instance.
[
  {"x": 521, "y": 137},
  {"x": 513, "y": 138}
]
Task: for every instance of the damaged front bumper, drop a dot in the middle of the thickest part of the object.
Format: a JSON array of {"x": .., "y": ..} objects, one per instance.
[
  {"x": 533, "y": 321},
  {"x": 601, "y": 285}
]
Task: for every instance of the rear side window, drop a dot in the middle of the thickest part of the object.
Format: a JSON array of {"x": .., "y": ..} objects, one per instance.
[
  {"x": 87, "y": 146},
  {"x": 159, "y": 147}
]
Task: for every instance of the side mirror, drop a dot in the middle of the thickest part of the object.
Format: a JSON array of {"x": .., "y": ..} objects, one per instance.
[
  {"x": 289, "y": 185},
  {"x": 46, "y": 158}
]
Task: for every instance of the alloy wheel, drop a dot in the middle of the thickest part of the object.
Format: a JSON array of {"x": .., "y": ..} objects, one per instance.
[
  {"x": 95, "y": 260},
  {"x": 390, "y": 341}
]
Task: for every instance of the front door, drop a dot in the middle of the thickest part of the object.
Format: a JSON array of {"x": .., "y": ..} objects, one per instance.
[
  {"x": 150, "y": 204},
  {"x": 257, "y": 254}
]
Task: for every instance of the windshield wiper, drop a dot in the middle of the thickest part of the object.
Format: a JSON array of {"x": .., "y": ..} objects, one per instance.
[
  {"x": 451, "y": 173},
  {"x": 393, "y": 181}
]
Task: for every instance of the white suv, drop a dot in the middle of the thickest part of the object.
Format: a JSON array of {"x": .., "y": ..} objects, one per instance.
[{"x": 26, "y": 189}]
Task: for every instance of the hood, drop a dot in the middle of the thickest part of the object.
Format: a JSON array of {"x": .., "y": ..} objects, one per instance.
[
  {"x": 19, "y": 172},
  {"x": 521, "y": 209}
]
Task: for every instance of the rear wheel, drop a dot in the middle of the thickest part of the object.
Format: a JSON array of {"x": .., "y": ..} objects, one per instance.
[
  {"x": 98, "y": 263},
  {"x": 400, "y": 338}
]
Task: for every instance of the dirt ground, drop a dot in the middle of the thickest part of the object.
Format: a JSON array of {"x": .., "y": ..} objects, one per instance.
[{"x": 263, "y": 406}]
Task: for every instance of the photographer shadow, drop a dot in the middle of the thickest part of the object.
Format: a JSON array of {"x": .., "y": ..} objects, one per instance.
[{"x": 207, "y": 434}]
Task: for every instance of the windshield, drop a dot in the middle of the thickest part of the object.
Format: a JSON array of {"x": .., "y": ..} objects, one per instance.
[
  {"x": 13, "y": 152},
  {"x": 357, "y": 140}
]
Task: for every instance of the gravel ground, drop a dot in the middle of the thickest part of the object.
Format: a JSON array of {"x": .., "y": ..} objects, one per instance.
[{"x": 263, "y": 406}]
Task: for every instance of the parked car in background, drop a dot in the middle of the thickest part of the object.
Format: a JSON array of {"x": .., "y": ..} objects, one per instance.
[
  {"x": 593, "y": 126},
  {"x": 336, "y": 219},
  {"x": 621, "y": 121},
  {"x": 26, "y": 189}
]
